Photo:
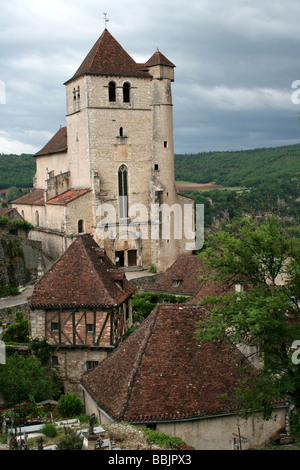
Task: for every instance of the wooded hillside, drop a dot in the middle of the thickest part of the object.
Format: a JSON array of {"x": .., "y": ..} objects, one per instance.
[
  {"x": 16, "y": 170},
  {"x": 239, "y": 168}
]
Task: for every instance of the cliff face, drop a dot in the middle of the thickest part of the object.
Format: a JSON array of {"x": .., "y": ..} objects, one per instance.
[{"x": 13, "y": 270}]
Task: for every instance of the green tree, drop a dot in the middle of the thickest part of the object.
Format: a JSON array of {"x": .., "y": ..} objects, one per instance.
[
  {"x": 17, "y": 333},
  {"x": 266, "y": 314},
  {"x": 24, "y": 377}
]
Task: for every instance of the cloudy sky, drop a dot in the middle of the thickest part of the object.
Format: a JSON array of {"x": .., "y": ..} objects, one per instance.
[{"x": 237, "y": 63}]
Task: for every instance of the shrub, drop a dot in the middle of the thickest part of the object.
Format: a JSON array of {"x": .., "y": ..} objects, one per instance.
[
  {"x": 49, "y": 430},
  {"x": 71, "y": 441},
  {"x": 162, "y": 440},
  {"x": 17, "y": 333},
  {"x": 69, "y": 405}
]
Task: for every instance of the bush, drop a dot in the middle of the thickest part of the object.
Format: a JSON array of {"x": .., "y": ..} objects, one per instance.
[
  {"x": 162, "y": 440},
  {"x": 49, "y": 430},
  {"x": 69, "y": 405},
  {"x": 71, "y": 441},
  {"x": 17, "y": 333}
]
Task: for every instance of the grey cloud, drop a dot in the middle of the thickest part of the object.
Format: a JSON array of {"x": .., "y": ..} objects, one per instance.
[{"x": 235, "y": 64}]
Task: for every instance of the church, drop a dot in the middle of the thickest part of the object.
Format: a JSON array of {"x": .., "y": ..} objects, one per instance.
[{"x": 110, "y": 171}]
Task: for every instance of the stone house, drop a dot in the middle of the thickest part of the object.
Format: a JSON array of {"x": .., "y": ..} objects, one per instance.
[
  {"x": 82, "y": 307},
  {"x": 112, "y": 163},
  {"x": 162, "y": 377}
]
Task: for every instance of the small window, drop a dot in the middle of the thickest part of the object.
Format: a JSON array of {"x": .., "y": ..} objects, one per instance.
[
  {"x": 90, "y": 328},
  {"x": 165, "y": 144},
  {"x": 112, "y": 91},
  {"x": 74, "y": 94},
  {"x": 54, "y": 327},
  {"x": 80, "y": 226},
  {"x": 91, "y": 364},
  {"x": 121, "y": 132},
  {"x": 54, "y": 361},
  {"x": 126, "y": 92},
  {"x": 156, "y": 166}
]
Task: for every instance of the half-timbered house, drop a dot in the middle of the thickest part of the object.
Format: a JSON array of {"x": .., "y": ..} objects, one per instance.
[{"x": 82, "y": 307}]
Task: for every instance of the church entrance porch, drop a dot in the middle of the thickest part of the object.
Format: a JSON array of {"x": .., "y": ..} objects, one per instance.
[{"x": 126, "y": 258}]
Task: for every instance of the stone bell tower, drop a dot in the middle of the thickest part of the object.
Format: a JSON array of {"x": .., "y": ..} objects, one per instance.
[{"x": 120, "y": 144}]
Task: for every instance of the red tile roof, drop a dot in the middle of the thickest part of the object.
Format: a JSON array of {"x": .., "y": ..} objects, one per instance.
[
  {"x": 184, "y": 272},
  {"x": 107, "y": 57},
  {"x": 57, "y": 144},
  {"x": 5, "y": 211},
  {"x": 35, "y": 197},
  {"x": 161, "y": 373},
  {"x": 187, "y": 277},
  {"x": 68, "y": 196},
  {"x": 82, "y": 277}
]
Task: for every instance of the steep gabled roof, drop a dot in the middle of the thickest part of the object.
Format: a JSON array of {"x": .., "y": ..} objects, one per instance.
[
  {"x": 57, "y": 144},
  {"x": 162, "y": 373},
  {"x": 82, "y": 277},
  {"x": 107, "y": 57}
]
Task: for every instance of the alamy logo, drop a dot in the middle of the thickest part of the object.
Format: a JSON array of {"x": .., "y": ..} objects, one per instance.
[
  {"x": 163, "y": 222},
  {"x": 295, "y": 355},
  {"x": 296, "y": 93},
  {"x": 2, "y": 92}
]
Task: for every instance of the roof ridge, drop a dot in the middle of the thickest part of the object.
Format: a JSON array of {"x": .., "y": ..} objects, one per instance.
[
  {"x": 140, "y": 358},
  {"x": 96, "y": 272}
]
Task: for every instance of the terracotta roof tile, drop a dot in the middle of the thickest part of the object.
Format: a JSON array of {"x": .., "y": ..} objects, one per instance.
[
  {"x": 107, "y": 57},
  {"x": 162, "y": 373},
  {"x": 181, "y": 278},
  {"x": 58, "y": 143},
  {"x": 35, "y": 197},
  {"x": 82, "y": 277},
  {"x": 185, "y": 277},
  {"x": 68, "y": 196},
  {"x": 158, "y": 59},
  {"x": 5, "y": 211}
]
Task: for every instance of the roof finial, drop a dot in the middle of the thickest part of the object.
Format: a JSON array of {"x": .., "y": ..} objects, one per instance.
[{"x": 105, "y": 19}]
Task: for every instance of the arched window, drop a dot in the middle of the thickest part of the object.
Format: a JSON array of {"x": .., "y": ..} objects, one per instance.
[
  {"x": 126, "y": 92},
  {"x": 121, "y": 132},
  {"x": 112, "y": 91},
  {"x": 37, "y": 218},
  {"x": 80, "y": 226},
  {"x": 123, "y": 191}
]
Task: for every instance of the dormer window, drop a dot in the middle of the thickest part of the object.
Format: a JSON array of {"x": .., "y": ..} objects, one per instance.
[
  {"x": 112, "y": 91},
  {"x": 176, "y": 281},
  {"x": 126, "y": 92}
]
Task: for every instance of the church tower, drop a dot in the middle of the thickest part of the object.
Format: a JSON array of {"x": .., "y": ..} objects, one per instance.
[{"x": 119, "y": 139}]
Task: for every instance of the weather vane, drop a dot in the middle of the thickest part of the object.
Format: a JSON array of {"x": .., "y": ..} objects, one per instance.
[{"x": 105, "y": 19}]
